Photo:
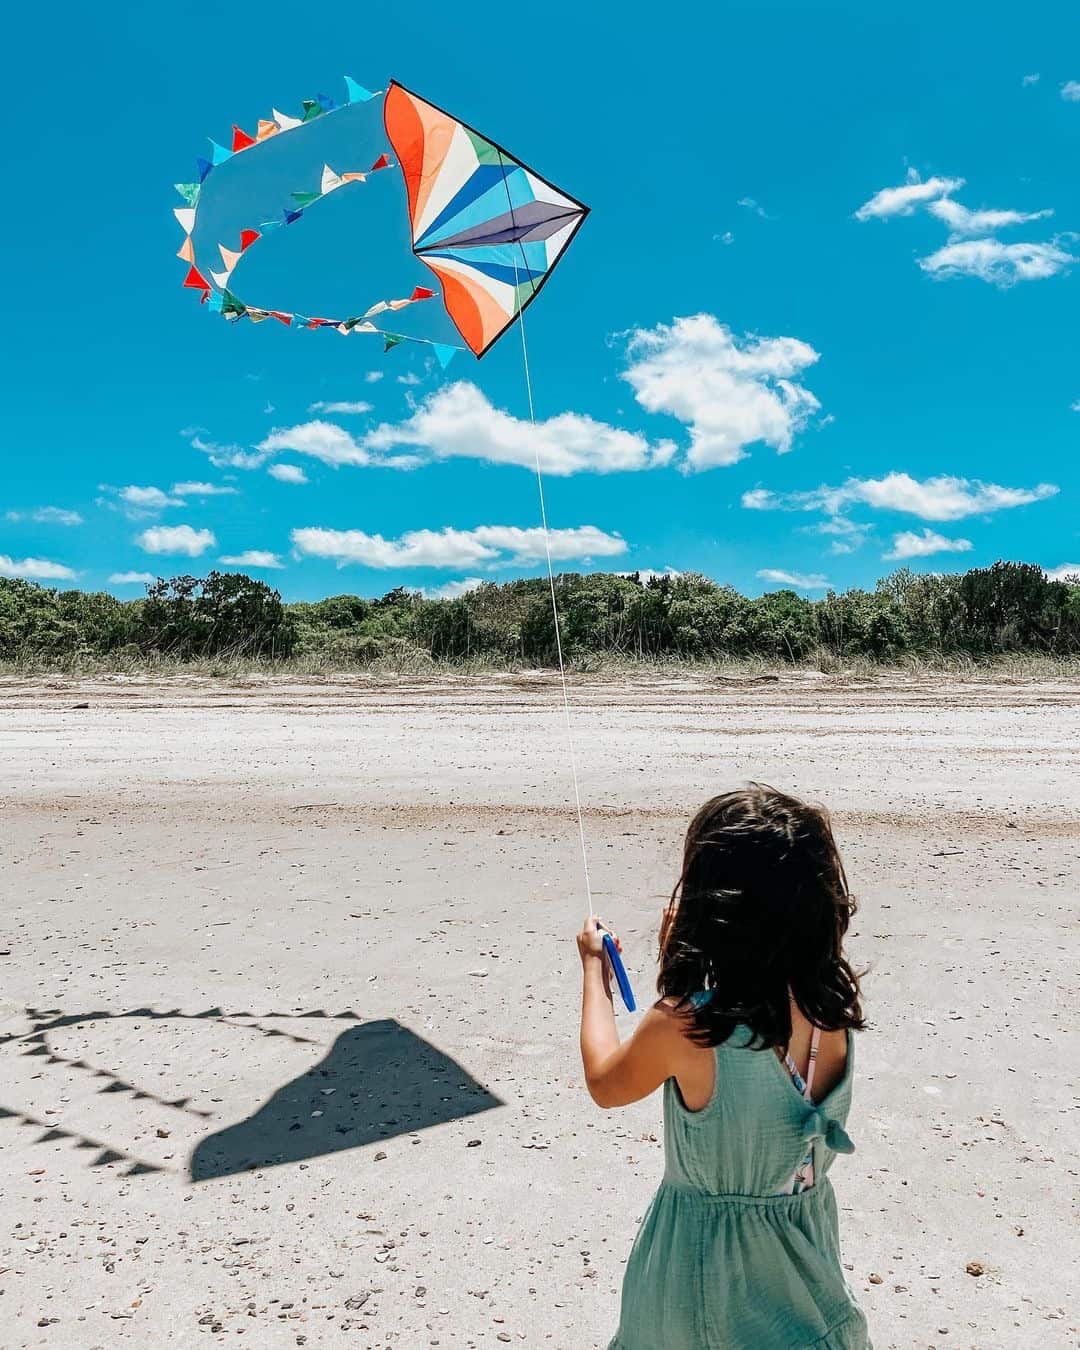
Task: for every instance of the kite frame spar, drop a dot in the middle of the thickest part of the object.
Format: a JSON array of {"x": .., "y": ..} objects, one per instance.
[{"x": 511, "y": 161}]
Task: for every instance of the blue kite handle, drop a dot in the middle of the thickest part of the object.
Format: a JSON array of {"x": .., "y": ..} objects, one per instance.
[{"x": 619, "y": 971}]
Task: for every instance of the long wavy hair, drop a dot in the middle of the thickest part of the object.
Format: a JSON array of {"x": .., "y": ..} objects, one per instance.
[{"x": 758, "y": 917}]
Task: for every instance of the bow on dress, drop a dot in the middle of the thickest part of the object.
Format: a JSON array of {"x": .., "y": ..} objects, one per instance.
[{"x": 832, "y": 1134}]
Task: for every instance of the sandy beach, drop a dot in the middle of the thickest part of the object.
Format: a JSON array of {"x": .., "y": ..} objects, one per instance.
[{"x": 288, "y": 1000}]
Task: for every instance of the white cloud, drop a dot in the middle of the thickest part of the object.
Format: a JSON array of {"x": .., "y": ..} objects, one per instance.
[
  {"x": 143, "y": 501},
  {"x": 452, "y": 590},
  {"x": 486, "y": 545},
  {"x": 45, "y": 515},
  {"x": 287, "y": 473},
  {"x": 132, "y": 579},
  {"x": 1029, "y": 80},
  {"x": 35, "y": 569},
  {"x": 909, "y": 544},
  {"x": 321, "y": 440},
  {"x": 228, "y": 456},
  {"x": 1070, "y": 91},
  {"x": 1066, "y": 572},
  {"x": 800, "y": 580},
  {"x": 726, "y": 238},
  {"x": 748, "y": 204},
  {"x": 176, "y": 539},
  {"x": 409, "y": 378},
  {"x": 457, "y": 421},
  {"x": 961, "y": 220},
  {"x": 902, "y": 201},
  {"x": 340, "y": 407},
  {"x": 373, "y": 377},
  {"x": 729, "y": 392},
  {"x": 253, "y": 557},
  {"x": 939, "y": 499},
  {"x": 1075, "y": 407},
  {"x": 848, "y": 536},
  {"x": 998, "y": 263},
  {"x": 202, "y": 490}
]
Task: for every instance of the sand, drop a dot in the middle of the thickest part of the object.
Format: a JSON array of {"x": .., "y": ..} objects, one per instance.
[{"x": 327, "y": 930}]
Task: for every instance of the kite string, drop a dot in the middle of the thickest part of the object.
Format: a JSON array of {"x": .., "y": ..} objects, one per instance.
[{"x": 555, "y": 614}]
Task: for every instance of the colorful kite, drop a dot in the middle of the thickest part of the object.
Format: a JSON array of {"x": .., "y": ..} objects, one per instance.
[{"x": 489, "y": 228}]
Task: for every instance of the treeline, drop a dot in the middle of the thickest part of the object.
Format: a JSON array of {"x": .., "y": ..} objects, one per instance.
[{"x": 1006, "y": 608}]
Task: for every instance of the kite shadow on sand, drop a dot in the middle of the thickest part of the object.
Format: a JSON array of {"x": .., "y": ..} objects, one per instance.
[{"x": 377, "y": 1080}]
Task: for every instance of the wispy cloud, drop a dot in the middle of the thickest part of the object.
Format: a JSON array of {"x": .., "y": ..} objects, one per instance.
[
  {"x": 453, "y": 590},
  {"x": 132, "y": 579},
  {"x": 730, "y": 392},
  {"x": 45, "y": 515},
  {"x": 177, "y": 539},
  {"x": 905, "y": 199},
  {"x": 1066, "y": 572},
  {"x": 1029, "y": 80},
  {"x": 961, "y": 220},
  {"x": 322, "y": 406},
  {"x": 35, "y": 569},
  {"x": 373, "y": 377},
  {"x": 228, "y": 456},
  {"x": 942, "y": 498},
  {"x": 909, "y": 544},
  {"x": 802, "y": 581},
  {"x": 203, "y": 490},
  {"x": 1000, "y": 264},
  {"x": 253, "y": 557},
  {"x": 287, "y": 473},
  {"x": 755, "y": 207},
  {"x": 487, "y": 545},
  {"x": 1070, "y": 91}
]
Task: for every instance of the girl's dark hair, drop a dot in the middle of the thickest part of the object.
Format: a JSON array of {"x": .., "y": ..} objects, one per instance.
[{"x": 758, "y": 917}]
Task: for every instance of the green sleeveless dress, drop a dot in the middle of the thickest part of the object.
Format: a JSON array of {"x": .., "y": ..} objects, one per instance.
[{"x": 722, "y": 1261}]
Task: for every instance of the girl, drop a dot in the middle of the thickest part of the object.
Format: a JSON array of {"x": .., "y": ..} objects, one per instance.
[{"x": 752, "y": 1040}]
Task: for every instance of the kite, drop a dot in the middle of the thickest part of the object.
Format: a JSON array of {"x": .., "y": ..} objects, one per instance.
[{"x": 490, "y": 229}]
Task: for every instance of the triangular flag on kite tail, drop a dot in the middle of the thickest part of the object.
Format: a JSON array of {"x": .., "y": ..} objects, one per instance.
[
  {"x": 204, "y": 167},
  {"x": 443, "y": 353},
  {"x": 330, "y": 180},
  {"x": 215, "y": 302},
  {"x": 364, "y": 327},
  {"x": 240, "y": 139},
  {"x": 355, "y": 177},
  {"x": 303, "y": 199},
  {"x": 290, "y": 216},
  {"x": 326, "y": 103},
  {"x": 189, "y": 192},
  {"x": 421, "y": 293},
  {"x": 231, "y": 305},
  {"x": 356, "y": 92},
  {"x": 229, "y": 256},
  {"x": 383, "y": 162},
  {"x": 221, "y": 279},
  {"x": 266, "y": 129},
  {"x": 248, "y": 237},
  {"x": 186, "y": 250},
  {"x": 312, "y": 109},
  {"x": 281, "y": 316},
  {"x": 380, "y": 307},
  {"x": 218, "y": 153},
  {"x": 185, "y": 217},
  {"x": 391, "y": 340},
  {"x": 285, "y": 123},
  {"x": 196, "y": 280}
]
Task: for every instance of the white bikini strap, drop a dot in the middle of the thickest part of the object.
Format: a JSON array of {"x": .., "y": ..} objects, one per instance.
[{"x": 815, "y": 1041}]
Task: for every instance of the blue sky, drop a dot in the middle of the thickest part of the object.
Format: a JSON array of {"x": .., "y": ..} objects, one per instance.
[{"x": 754, "y": 361}]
